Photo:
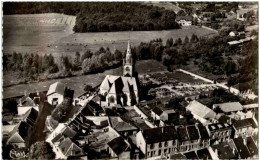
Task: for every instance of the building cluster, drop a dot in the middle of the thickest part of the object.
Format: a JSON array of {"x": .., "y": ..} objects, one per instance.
[{"x": 115, "y": 124}]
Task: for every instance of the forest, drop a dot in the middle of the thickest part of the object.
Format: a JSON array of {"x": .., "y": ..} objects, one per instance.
[{"x": 102, "y": 16}]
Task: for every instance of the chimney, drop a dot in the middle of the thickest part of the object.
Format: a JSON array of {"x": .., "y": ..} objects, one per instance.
[
  {"x": 244, "y": 140},
  {"x": 20, "y": 102},
  {"x": 234, "y": 151},
  {"x": 216, "y": 152},
  {"x": 25, "y": 93},
  {"x": 162, "y": 129}
]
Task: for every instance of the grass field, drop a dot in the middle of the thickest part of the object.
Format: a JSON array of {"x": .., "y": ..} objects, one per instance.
[{"x": 52, "y": 33}]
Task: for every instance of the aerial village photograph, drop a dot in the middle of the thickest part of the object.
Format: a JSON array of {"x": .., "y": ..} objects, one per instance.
[{"x": 130, "y": 80}]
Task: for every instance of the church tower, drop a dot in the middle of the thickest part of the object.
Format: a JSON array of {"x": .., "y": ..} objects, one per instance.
[{"x": 128, "y": 63}]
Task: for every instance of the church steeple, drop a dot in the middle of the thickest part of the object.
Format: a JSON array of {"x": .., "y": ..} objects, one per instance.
[{"x": 128, "y": 62}]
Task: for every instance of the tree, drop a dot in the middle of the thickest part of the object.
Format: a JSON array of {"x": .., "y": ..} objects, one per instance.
[
  {"x": 186, "y": 40},
  {"x": 87, "y": 54},
  {"x": 88, "y": 88},
  {"x": 76, "y": 62},
  {"x": 118, "y": 55},
  {"x": 41, "y": 150}
]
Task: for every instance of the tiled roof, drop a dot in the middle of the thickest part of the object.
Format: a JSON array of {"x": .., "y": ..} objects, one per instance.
[
  {"x": 203, "y": 132},
  {"x": 193, "y": 132},
  {"x": 230, "y": 107},
  {"x": 225, "y": 150},
  {"x": 160, "y": 134},
  {"x": 69, "y": 148},
  {"x": 219, "y": 126},
  {"x": 178, "y": 156},
  {"x": 31, "y": 114},
  {"x": 187, "y": 18},
  {"x": 204, "y": 154},
  {"x": 252, "y": 147},
  {"x": 242, "y": 149},
  {"x": 201, "y": 110},
  {"x": 242, "y": 123},
  {"x": 157, "y": 111},
  {"x": 121, "y": 84},
  {"x": 120, "y": 125},
  {"x": 183, "y": 134},
  {"x": 191, "y": 155},
  {"x": 118, "y": 145},
  {"x": 57, "y": 87}
]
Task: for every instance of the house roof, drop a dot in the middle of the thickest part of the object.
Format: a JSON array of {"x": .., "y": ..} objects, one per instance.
[
  {"x": 31, "y": 114},
  {"x": 22, "y": 129},
  {"x": 187, "y": 18},
  {"x": 183, "y": 134},
  {"x": 191, "y": 155},
  {"x": 219, "y": 126},
  {"x": 160, "y": 134},
  {"x": 252, "y": 147},
  {"x": 230, "y": 107},
  {"x": 204, "y": 154},
  {"x": 69, "y": 148},
  {"x": 178, "y": 156},
  {"x": 157, "y": 111},
  {"x": 242, "y": 123},
  {"x": 7, "y": 128},
  {"x": 120, "y": 125},
  {"x": 225, "y": 150},
  {"x": 16, "y": 138},
  {"x": 193, "y": 132},
  {"x": 170, "y": 111},
  {"x": 56, "y": 87},
  {"x": 203, "y": 132},
  {"x": 242, "y": 11},
  {"x": 201, "y": 110},
  {"x": 242, "y": 149},
  {"x": 118, "y": 145},
  {"x": 255, "y": 105}
]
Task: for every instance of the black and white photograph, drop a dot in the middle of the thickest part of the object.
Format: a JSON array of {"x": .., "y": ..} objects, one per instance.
[{"x": 130, "y": 80}]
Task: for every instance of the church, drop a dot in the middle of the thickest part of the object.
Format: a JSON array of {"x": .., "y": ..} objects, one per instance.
[{"x": 121, "y": 90}]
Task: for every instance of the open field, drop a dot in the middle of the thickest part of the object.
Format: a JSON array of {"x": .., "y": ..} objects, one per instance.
[
  {"x": 52, "y": 33},
  {"x": 165, "y": 5},
  {"x": 78, "y": 83}
]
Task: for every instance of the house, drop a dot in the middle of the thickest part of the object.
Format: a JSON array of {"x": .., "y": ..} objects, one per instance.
[
  {"x": 225, "y": 150},
  {"x": 156, "y": 113},
  {"x": 184, "y": 20},
  {"x": 201, "y": 112},
  {"x": 189, "y": 138},
  {"x": 157, "y": 142},
  {"x": 18, "y": 136},
  {"x": 244, "y": 127},
  {"x": 228, "y": 108},
  {"x": 204, "y": 136},
  {"x": 204, "y": 154},
  {"x": 27, "y": 102},
  {"x": 121, "y": 90},
  {"x": 191, "y": 155},
  {"x": 233, "y": 33},
  {"x": 57, "y": 92},
  {"x": 30, "y": 116},
  {"x": 241, "y": 14},
  {"x": 219, "y": 132},
  {"x": 94, "y": 108},
  {"x": 119, "y": 148},
  {"x": 70, "y": 149},
  {"x": 169, "y": 115},
  {"x": 246, "y": 148},
  {"x": 122, "y": 127}
]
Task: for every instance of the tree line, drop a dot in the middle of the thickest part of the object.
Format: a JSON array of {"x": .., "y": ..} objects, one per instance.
[{"x": 102, "y": 16}]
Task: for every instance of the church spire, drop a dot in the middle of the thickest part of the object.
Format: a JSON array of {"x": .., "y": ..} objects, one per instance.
[{"x": 128, "y": 63}]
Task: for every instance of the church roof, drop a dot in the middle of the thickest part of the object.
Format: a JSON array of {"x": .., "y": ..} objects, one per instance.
[
  {"x": 57, "y": 87},
  {"x": 117, "y": 84}
]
